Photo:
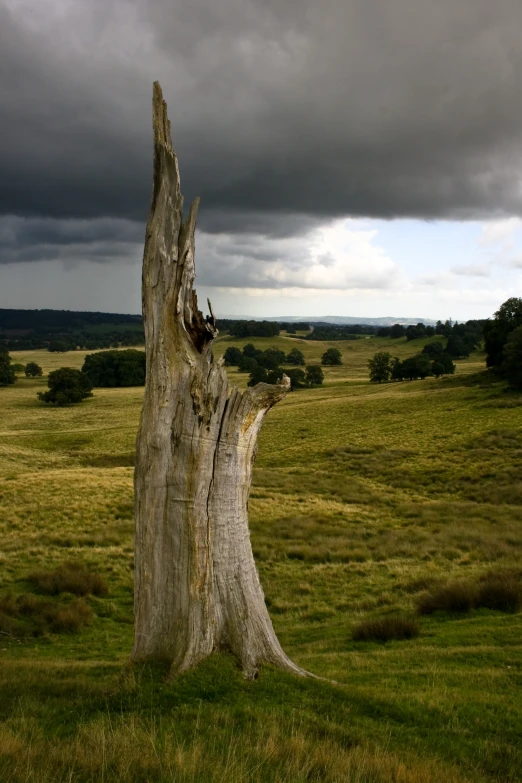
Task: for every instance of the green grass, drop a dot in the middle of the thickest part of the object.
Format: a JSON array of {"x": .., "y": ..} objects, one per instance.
[{"x": 365, "y": 498}]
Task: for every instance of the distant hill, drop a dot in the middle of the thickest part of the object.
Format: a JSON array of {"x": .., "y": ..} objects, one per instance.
[{"x": 387, "y": 320}]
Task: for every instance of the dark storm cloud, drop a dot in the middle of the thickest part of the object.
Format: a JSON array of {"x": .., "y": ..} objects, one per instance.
[
  {"x": 246, "y": 221},
  {"x": 283, "y": 113},
  {"x": 46, "y": 239}
]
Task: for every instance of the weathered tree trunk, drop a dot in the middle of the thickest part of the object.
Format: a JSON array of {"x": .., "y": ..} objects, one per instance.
[{"x": 196, "y": 585}]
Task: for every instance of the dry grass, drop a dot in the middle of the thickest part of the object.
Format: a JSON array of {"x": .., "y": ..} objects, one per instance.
[{"x": 128, "y": 750}]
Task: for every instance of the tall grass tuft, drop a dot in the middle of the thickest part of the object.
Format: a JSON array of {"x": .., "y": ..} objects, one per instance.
[
  {"x": 457, "y": 596},
  {"x": 131, "y": 750},
  {"x": 70, "y": 577},
  {"x": 383, "y": 629},
  {"x": 500, "y": 590},
  {"x": 31, "y": 615}
]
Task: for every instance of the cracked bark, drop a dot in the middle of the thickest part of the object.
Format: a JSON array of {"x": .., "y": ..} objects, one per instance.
[{"x": 196, "y": 585}]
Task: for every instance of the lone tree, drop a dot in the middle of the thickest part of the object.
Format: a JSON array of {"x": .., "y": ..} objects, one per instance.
[
  {"x": 314, "y": 375},
  {"x": 196, "y": 585},
  {"x": 33, "y": 370},
  {"x": 380, "y": 367},
  {"x": 296, "y": 357},
  {"x": 232, "y": 356},
  {"x": 331, "y": 357},
  {"x": 67, "y": 386}
]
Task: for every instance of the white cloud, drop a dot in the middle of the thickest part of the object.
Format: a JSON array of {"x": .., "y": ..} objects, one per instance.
[
  {"x": 500, "y": 232},
  {"x": 340, "y": 256},
  {"x": 471, "y": 270}
]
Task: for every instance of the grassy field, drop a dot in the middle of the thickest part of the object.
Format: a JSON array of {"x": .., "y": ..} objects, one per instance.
[{"x": 365, "y": 498}]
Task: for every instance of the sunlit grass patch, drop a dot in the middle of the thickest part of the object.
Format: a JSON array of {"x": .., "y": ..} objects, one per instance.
[
  {"x": 364, "y": 498},
  {"x": 134, "y": 749}
]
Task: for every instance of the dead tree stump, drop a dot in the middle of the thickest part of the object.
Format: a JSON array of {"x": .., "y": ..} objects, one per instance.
[{"x": 196, "y": 585}]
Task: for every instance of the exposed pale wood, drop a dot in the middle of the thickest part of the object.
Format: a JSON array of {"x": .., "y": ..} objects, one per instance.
[{"x": 196, "y": 585}]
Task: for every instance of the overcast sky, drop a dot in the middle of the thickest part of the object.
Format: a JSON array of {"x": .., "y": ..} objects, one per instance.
[{"x": 352, "y": 157}]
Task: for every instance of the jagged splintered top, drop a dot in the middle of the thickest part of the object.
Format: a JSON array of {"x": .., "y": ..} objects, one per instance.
[
  {"x": 170, "y": 248},
  {"x": 160, "y": 120}
]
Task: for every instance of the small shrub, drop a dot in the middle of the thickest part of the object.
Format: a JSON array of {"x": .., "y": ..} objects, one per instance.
[
  {"x": 69, "y": 619},
  {"x": 452, "y": 597},
  {"x": 383, "y": 629},
  {"x": 295, "y": 554},
  {"x": 31, "y": 615},
  {"x": 69, "y": 577},
  {"x": 27, "y": 604},
  {"x": 420, "y": 584}
]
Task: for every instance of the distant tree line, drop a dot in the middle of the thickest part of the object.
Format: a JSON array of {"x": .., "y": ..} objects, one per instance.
[
  {"x": 411, "y": 332},
  {"x": 334, "y": 332},
  {"x": 462, "y": 338},
  {"x": 60, "y": 320},
  {"x": 396, "y": 331},
  {"x": 436, "y": 358},
  {"x": 265, "y": 366},
  {"x": 251, "y": 328},
  {"x": 502, "y": 336},
  {"x": 383, "y": 367},
  {"x": 294, "y": 327},
  {"x": 66, "y": 330},
  {"x": 96, "y": 340}
]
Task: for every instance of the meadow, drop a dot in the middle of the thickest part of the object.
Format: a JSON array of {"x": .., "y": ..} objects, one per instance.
[{"x": 365, "y": 498}]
